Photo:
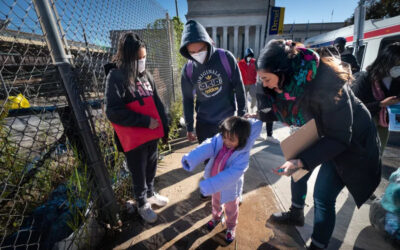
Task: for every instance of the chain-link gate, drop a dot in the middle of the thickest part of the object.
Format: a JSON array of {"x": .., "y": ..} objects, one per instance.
[{"x": 52, "y": 121}]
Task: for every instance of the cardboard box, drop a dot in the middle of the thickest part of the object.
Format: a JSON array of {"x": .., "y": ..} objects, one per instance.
[{"x": 296, "y": 143}]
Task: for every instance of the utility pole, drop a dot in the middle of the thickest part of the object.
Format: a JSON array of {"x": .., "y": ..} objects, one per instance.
[
  {"x": 267, "y": 23},
  {"x": 359, "y": 18},
  {"x": 176, "y": 7}
]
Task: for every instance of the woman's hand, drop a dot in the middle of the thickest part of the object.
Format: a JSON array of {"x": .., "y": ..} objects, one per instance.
[
  {"x": 289, "y": 167},
  {"x": 391, "y": 100},
  {"x": 153, "y": 123},
  {"x": 191, "y": 136}
]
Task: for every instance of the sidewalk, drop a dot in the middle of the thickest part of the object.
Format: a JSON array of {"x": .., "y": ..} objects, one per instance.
[{"x": 181, "y": 224}]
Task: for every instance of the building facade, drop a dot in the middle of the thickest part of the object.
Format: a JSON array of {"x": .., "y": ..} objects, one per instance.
[
  {"x": 233, "y": 24},
  {"x": 237, "y": 24},
  {"x": 301, "y": 31}
]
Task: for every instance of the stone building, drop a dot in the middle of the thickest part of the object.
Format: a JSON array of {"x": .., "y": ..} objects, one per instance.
[
  {"x": 232, "y": 24},
  {"x": 239, "y": 24}
]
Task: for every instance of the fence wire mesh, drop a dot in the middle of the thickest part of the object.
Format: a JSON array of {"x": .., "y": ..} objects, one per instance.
[{"x": 47, "y": 191}]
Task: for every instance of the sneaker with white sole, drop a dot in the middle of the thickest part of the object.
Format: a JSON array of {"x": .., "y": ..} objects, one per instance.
[
  {"x": 230, "y": 235},
  {"x": 273, "y": 140},
  {"x": 158, "y": 200},
  {"x": 147, "y": 213}
]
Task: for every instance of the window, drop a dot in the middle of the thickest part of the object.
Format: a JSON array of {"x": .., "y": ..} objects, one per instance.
[{"x": 388, "y": 40}]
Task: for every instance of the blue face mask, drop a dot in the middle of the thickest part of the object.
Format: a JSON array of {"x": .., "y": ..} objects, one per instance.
[{"x": 395, "y": 71}]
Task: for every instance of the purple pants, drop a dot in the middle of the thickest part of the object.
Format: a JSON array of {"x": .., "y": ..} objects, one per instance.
[{"x": 231, "y": 211}]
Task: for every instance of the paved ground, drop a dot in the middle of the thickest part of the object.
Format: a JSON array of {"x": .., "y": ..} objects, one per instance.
[{"x": 181, "y": 224}]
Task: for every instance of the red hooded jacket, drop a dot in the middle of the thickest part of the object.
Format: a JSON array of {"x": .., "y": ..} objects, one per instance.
[{"x": 249, "y": 73}]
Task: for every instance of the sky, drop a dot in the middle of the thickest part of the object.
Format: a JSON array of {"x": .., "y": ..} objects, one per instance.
[{"x": 296, "y": 11}]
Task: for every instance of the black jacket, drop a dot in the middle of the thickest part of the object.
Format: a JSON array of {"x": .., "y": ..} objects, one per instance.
[
  {"x": 348, "y": 134},
  {"x": 350, "y": 59},
  {"x": 362, "y": 88},
  {"x": 118, "y": 95}
]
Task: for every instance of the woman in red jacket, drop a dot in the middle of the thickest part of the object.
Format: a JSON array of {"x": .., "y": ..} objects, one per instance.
[
  {"x": 247, "y": 68},
  {"x": 138, "y": 117}
]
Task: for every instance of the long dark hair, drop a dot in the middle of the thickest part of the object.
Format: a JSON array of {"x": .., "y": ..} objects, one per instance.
[
  {"x": 236, "y": 125},
  {"x": 276, "y": 57},
  {"x": 127, "y": 55},
  {"x": 389, "y": 57}
]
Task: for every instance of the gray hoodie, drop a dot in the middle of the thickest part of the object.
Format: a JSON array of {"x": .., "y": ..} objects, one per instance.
[{"x": 216, "y": 94}]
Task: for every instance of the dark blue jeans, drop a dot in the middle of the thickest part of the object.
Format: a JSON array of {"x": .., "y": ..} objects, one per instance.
[{"x": 327, "y": 187}]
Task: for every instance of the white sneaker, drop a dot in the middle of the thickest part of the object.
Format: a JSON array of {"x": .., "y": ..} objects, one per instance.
[
  {"x": 273, "y": 140},
  {"x": 158, "y": 200},
  {"x": 147, "y": 213}
]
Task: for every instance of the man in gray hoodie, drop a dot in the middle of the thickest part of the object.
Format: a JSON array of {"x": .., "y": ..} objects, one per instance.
[{"x": 212, "y": 79}]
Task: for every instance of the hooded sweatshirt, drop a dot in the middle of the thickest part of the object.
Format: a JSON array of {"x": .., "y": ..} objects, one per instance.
[
  {"x": 215, "y": 92},
  {"x": 248, "y": 69}
]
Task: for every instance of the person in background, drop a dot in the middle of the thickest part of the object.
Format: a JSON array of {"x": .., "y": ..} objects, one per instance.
[
  {"x": 212, "y": 78},
  {"x": 345, "y": 55},
  {"x": 300, "y": 86},
  {"x": 384, "y": 213},
  {"x": 247, "y": 68},
  {"x": 379, "y": 87},
  {"x": 229, "y": 154},
  {"x": 138, "y": 117}
]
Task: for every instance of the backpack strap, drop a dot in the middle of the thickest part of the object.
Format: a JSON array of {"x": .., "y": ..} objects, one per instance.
[
  {"x": 225, "y": 63},
  {"x": 189, "y": 69}
]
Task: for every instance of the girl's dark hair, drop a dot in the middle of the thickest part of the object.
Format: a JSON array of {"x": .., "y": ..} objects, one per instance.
[
  {"x": 238, "y": 126},
  {"x": 127, "y": 54},
  {"x": 389, "y": 57}
]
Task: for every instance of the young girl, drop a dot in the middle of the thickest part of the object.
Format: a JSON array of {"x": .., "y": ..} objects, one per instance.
[
  {"x": 138, "y": 117},
  {"x": 229, "y": 153}
]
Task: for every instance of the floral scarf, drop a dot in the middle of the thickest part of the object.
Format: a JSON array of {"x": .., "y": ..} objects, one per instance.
[{"x": 286, "y": 104}]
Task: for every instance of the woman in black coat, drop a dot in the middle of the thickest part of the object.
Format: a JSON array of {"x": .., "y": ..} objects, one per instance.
[
  {"x": 379, "y": 87},
  {"x": 299, "y": 87}
]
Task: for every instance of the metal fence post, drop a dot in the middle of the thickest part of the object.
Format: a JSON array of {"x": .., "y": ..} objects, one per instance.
[
  {"x": 171, "y": 52},
  {"x": 106, "y": 202}
]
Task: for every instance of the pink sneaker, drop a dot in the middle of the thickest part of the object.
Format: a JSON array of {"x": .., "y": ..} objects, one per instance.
[
  {"x": 212, "y": 224},
  {"x": 230, "y": 235}
]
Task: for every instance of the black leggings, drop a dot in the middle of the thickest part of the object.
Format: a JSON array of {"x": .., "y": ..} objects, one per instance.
[
  {"x": 142, "y": 162},
  {"x": 269, "y": 126}
]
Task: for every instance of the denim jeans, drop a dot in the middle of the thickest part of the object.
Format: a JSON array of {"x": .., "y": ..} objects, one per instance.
[{"x": 327, "y": 187}]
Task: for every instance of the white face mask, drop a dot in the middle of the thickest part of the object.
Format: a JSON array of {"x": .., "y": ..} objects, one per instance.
[
  {"x": 141, "y": 65},
  {"x": 199, "y": 56},
  {"x": 395, "y": 71}
]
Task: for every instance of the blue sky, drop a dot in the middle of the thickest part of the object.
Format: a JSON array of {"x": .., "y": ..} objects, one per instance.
[{"x": 298, "y": 11}]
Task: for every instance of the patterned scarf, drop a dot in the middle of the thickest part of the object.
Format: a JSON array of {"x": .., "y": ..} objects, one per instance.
[
  {"x": 286, "y": 104},
  {"x": 379, "y": 96}
]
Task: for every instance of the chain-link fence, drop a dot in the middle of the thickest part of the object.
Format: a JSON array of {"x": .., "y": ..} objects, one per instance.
[{"x": 57, "y": 155}]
